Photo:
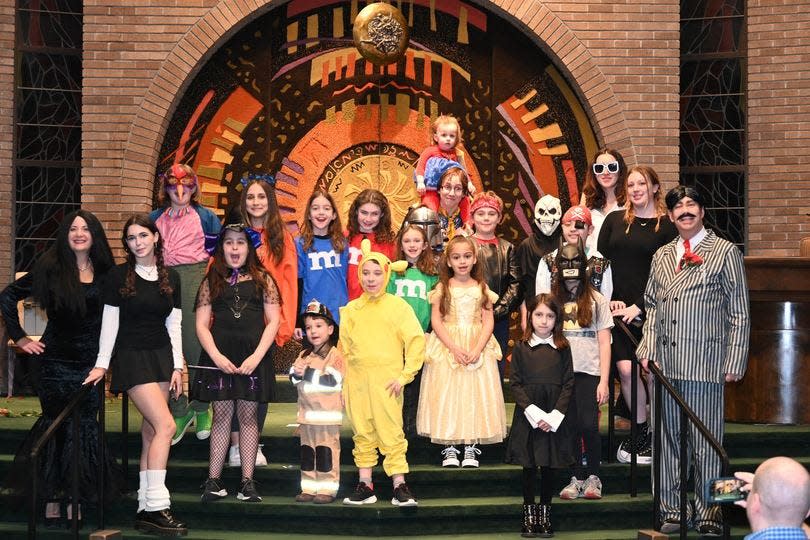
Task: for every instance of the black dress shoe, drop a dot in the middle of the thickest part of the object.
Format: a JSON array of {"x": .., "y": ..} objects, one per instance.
[
  {"x": 161, "y": 523},
  {"x": 709, "y": 529}
]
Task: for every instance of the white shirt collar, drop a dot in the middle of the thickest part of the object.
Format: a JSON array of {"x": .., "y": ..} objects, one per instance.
[
  {"x": 695, "y": 240},
  {"x": 536, "y": 340}
]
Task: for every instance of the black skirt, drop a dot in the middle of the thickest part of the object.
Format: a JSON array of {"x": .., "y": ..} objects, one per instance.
[{"x": 131, "y": 367}]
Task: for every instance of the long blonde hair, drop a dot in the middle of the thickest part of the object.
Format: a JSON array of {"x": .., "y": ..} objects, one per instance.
[{"x": 651, "y": 177}]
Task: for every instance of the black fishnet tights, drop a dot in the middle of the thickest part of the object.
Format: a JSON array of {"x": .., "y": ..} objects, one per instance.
[{"x": 221, "y": 436}]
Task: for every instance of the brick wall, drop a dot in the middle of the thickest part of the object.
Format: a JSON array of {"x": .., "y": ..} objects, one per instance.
[
  {"x": 6, "y": 132},
  {"x": 137, "y": 60},
  {"x": 778, "y": 126},
  {"x": 621, "y": 57}
]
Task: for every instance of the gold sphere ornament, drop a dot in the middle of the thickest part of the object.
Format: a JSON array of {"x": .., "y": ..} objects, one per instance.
[{"x": 381, "y": 33}]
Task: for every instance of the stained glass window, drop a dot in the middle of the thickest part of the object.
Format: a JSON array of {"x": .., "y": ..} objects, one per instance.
[
  {"x": 712, "y": 119},
  {"x": 47, "y": 172}
]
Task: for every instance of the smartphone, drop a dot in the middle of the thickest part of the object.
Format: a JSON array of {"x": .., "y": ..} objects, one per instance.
[{"x": 725, "y": 490}]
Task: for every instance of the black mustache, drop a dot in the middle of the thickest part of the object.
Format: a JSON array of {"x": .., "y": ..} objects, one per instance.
[{"x": 687, "y": 215}]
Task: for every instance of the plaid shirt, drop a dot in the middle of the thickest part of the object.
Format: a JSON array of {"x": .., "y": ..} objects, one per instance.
[{"x": 778, "y": 533}]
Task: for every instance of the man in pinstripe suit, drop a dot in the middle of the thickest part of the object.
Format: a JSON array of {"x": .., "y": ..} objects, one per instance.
[{"x": 696, "y": 330}]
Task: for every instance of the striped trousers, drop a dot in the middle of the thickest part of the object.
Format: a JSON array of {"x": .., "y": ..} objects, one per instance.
[{"x": 706, "y": 400}]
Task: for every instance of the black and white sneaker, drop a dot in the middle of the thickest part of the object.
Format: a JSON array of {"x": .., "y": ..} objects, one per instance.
[
  {"x": 362, "y": 495},
  {"x": 213, "y": 490},
  {"x": 623, "y": 452},
  {"x": 643, "y": 448},
  {"x": 248, "y": 492},
  {"x": 644, "y": 451},
  {"x": 450, "y": 457},
  {"x": 403, "y": 496},
  {"x": 470, "y": 459}
]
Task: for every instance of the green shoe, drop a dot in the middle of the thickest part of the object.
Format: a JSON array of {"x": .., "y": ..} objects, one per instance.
[
  {"x": 182, "y": 423},
  {"x": 203, "y": 424}
]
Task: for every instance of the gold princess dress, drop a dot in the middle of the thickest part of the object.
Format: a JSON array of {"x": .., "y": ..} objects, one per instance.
[{"x": 461, "y": 404}]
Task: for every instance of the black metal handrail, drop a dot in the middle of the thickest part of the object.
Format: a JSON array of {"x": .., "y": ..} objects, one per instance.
[
  {"x": 634, "y": 378},
  {"x": 72, "y": 410},
  {"x": 685, "y": 414}
]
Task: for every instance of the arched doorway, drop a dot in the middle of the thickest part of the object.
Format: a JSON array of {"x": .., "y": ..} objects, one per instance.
[{"x": 289, "y": 95}]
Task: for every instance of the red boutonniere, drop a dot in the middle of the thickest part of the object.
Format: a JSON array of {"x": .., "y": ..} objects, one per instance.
[{"x": 691, "y": 259}]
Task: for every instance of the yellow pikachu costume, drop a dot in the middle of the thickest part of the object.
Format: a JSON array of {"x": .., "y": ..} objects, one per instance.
[{"x": 382, "y": 341}]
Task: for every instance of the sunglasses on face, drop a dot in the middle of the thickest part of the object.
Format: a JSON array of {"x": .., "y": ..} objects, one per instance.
[{"x": 602, "y": 168}]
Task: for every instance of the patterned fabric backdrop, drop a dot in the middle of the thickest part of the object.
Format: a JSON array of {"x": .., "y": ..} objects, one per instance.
[{"x": 289, "y": 94}]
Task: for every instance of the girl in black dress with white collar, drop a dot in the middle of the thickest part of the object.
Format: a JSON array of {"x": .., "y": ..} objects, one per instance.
[
  {"x": 542, "y": 380},
  {"x": 141, "y": 323}
]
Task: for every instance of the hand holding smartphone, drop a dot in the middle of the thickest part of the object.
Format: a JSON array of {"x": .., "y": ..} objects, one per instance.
[{"x": 725, "y": 490}]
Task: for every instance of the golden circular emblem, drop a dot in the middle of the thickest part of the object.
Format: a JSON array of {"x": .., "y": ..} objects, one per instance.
[{"x": 380, "y": 33}]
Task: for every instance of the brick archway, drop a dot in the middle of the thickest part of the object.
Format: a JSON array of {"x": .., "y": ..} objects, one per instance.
[{"x": 141, "y": 148}]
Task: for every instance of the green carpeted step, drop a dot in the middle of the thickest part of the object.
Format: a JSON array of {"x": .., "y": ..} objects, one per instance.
[
  {"x": 17, "y": 530},
  {"x": 483, "y": 501},
  {"x": 432, "y": 516}
]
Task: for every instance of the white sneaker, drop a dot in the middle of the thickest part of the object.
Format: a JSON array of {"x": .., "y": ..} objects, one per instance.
[
  {"x": 592, "y": 488},
  {"x": 573, "y": 490},
  {"x": 261, "y": 460},
  {"x": 450, "y": 454},
  {"x": 470, "y": 451},
  {"x": 234, "y": 459}
]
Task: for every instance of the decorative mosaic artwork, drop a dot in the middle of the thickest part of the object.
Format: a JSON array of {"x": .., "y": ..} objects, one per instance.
[{"x": 290, "y": 95}]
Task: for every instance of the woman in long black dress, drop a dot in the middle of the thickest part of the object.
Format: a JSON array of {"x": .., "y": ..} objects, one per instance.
[
  {"x": 66, "y": 282},
  {"x": 629, "y": 239},
  {"x": 141, "y": 322}
]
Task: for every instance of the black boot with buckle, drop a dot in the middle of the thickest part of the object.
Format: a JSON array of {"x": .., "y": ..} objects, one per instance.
[
  {"x": 529, "y": 521},
  {"x": 543, "y": 527}
]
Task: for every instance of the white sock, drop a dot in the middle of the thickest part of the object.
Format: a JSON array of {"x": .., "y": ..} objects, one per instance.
[
  {"x": 141, "y": 490},
  {"x": 157, "y": 496}
]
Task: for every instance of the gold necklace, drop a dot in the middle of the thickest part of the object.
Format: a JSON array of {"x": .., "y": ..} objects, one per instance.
[{"x": 86, "y": 267}]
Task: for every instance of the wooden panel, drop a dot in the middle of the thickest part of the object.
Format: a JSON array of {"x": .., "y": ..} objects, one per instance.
[{"x": 779, "y": 355}]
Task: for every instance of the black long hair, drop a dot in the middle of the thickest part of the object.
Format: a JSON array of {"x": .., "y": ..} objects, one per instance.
[
  {"x": 128, "y": 290},
  {"x": 56, "y": 275}
]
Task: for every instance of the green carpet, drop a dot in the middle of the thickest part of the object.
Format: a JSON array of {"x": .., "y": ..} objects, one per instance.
[{"x": 454, "y": 503}]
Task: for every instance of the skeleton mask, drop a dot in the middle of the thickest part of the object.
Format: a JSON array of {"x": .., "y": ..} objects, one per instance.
[
  {"x": 547, "y": 214},
  {"x": 424, "y": 217}
]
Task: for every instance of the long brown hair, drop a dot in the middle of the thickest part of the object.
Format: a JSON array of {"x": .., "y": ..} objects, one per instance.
[
  {"x": 551, "y": 302},
  {"x": 128, "y": 290},
  {"x": 273, "y": 236},
  {"x": 595, "y": 196},
  {"x": 426, "y": 263},
  {"x": 585, "y": 292},
  {"x": 335, "y": 229},
  {"x": 383, "y": 232},
  {"x": 651, "y": 176},
  {"x": 219, "y": 272},
  {"x": 445, "y": 273}
]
